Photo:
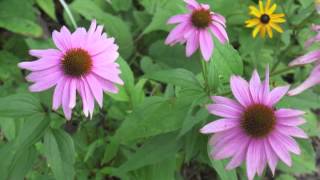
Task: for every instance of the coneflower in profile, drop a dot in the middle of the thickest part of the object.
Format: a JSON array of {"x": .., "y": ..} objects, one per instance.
[
  {"x": 252, "y": 129},
  {"x": 84, "y": 62}
]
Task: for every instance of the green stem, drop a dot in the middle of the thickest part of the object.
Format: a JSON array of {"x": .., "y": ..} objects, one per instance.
[
  {"x": 66, "y": 7},
  {"x": 205, "y": 76}
]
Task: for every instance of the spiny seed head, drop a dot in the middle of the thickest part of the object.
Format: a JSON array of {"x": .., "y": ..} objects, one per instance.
[
  {"x": 76, "y": 62},
  {"x": 201, "y": 18},
  {"x": 265, "y": 18},
  {"x": 258, "y": 120}
]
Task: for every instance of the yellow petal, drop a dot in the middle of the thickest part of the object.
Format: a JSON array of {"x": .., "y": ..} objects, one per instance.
[
  {"x": 272, "y": 9},
  {"x": 263, "y": 31},
  {"x": 276, "y": 27},
  {"x": 256, "y": 30},
  {"x": 254, "y": 11},
  {"x": 277, "y": 15},
  {"x": 252, "y": 22},
  {"x": 269, "y": 30},
  {"x": 267, "y": 5},
  {"x": 261, "y": 7},
  {"x": 278, "y": 20}
]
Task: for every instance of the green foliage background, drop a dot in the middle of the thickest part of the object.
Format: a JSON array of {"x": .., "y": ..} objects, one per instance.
[{"x": 150, "y": 130}]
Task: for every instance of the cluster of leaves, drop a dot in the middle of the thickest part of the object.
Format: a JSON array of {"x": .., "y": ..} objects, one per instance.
[{"x": 150, "y": 129}]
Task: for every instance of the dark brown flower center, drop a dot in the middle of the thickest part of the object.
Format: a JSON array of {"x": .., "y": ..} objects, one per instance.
[
  {"x": 201, "y": 18},
  {"x": 258, "y": 120},
  {"x": 76, "y": 62},
  {"x": 265, "y": 18}
]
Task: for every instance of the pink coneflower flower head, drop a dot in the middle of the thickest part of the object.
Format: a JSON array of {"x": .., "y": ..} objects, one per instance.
[
  {"x": 251, "y": 129},
  {"x": 84, "y": 62},
  {"x": 313, "y": 56},
  {"x": 196, "y": 29}
]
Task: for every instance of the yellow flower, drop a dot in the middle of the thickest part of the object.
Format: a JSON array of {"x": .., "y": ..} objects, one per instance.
[{"x": 265, "y": 19}]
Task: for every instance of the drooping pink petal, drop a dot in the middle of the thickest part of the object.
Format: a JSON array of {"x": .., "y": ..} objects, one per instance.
[
  {"x": 287, "y": 142},
  {"x": 73, "y": 93},
  {"x": 81, "y": 90},
  {"x": 239, "y": 156},
  {"x": 219, "y": 125},
  {"x": 66, "y": 99},
  {"x": 44, "y": 85},
  {"x": 192, "y": 43},
  {"x": 176, "y": 34},
  {"x": 311, "y": 81},
  {"x": 106, "y": 85},
  {"x": 280, "y": 150},
  {"x": 220, "y": 32},
  {"x": 252, "y": 160},
  {"x": 57, "y": 95},
  {"x": 240, "y": 90},
  {"x": 192, "y": 4},
  {"x": 96, "y": 89},
  {"x": 272, "y": 158},
  {"x": 306, "y": 59},
  {"x": 206, "y": 44},
  {"x": 44, "y": 74},
  {"x": 110, "y": 76},
  {"x": 219, "y": 18},
  {"x": 263, "y": 159}
]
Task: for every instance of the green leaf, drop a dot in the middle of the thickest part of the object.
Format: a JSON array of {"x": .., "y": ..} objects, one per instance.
[
  {"x": 92, "y": 147},
  {"x": 19, "y": 17},
  {"x": 60, "y": 153},
  {"x": 152, "y": 152},
  {"x": 219, "y": 166},
  {"x": 163, "y": 12},
  {"x": 19, "y": 105},
  {"x": 12, "y": 155},
  {"x": 178, "y": 77},
  {"x": 155, "y": 116},
  {"x": 114, "y": 26},
  {"x": 170, "y": 57},
  {"x": 121, "y": 5},
  {"x": 225, "y": 62},
  {"x": 305, "y": 100},
  {"x": 48, "y": 7},
  {"x": 285, "y": 177}
]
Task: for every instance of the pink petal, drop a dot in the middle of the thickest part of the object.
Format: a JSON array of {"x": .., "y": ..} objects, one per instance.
[
  {"x": 78, "y": 38},
  {"x": 106, "y": 85},
  {"x": 240, "y": 90},
  {"x": 44, "y": 74},
  {"x": 288, "y": 142},
  {"x": 206, "y": 44},
  {"x": 96, "y": 89},
  {"x": 57, "y": 95},
  {"x": 89, "y": 96},
  {"x": 62, "y": 39},
  {"x": 224, "y": 111},
  {"x": 108, "y": 75},
  {"x": 277, "y": 93},
  {"x": 288, "y": 113},
  {"x": 219, "y": 31},
  {"x": 272, "y": 158},
  {"x": 219, "y": 18},
  {"x": 306, "y": 59},
  {"x": 263, "y": 158},
  {"x": 81, "y": 90},
  {"x": 291, "y": 131},
  {"x": 264, "y": 92},
  {"x": 192, "y": 4},
  {"x": 46, "y": 53},
  {"x": 41, "y": 64},
  {"x": 65, "y": 100},
  {"x": 253, "y": 158},
  {"x": 73, "y": 93},
  {"x": 280, "y": 150},
  {"x": 312, "y": 80},
  {"x": 296, "y": 121},
  {"x": 255, "y": 86},
  {"x": 192, "y": 43},
  {"x": 228, "y": 102},
  {"x": 219, "y": 125},
  {"x": 178, "y": 18},
  {"x": 176, "y": 35},
  {"x": 45, "y": 83},
  {"x": 239, "y": 156},
  {"x": 312, "y": 40}
]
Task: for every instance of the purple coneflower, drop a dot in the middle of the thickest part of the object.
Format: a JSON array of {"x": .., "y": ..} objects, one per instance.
[
  {"x": 252, "y": 129},
  {"x": 196, "y": 29},
  {"x": 83, "y": 62}
]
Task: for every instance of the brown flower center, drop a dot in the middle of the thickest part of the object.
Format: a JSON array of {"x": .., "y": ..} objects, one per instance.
[
  {"x": 265, "y": 18},
  {"x": 258, "y": 120},
  {"x": 76, "y": 62},
  {"x": 201, "y": 18}
]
